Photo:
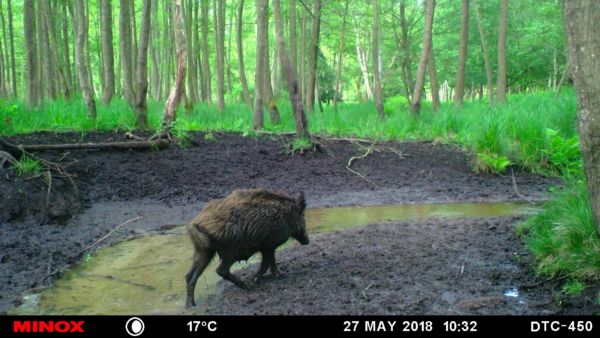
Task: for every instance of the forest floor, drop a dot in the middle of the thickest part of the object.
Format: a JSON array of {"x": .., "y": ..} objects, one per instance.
[{"x": 438, "y": 266}]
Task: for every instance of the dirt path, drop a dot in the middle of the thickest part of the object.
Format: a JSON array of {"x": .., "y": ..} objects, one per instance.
[{"x": 170, "y": 186}]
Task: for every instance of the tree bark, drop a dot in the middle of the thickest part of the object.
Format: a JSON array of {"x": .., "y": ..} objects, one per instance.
[
  {"x": 293, "y": 36},
  {"x": 583, "y": 39},
  {"x": 141, "y": 90},
  {"x": 65, "y": 33},
  {"x": 406, "y": 60},
  {"x": 206, "y": 51},
  {"x": 192, "y": 89},
  {"x": 12, "y": 49},
  {"x": 108, "y": 56},
  {"x": 196, "y": 50},
  {"x": 415, "y": 106},
  {"x": 31, "y": 50},
  {"x": 155, "y": 74},
  {"x": 125, "y": 50},
  {"x": 338, "y": 72},
  {"x": 220, "y": 42},
  {"x": 267, "y": 89},
  {"x": 178, "y": 89},
  {"x": 433, "y": 82},
  {"x": 313, "y": 56},
  {"x": 261, "y": 50},
  {"x": 240, "y": 54},
  {"x": 302, "y": 54},
  {"x": 80, "y": 64},
  {"x": 459, "y": 91},
  {"x": 486, "y": 59},
  {"x": 4, "y": 63},
  {"x": 501, "y": 95},
  {"x": 362, "y": 63},
  {"x": 290, "y": 72},
  {"x": 375, "y": 52}
]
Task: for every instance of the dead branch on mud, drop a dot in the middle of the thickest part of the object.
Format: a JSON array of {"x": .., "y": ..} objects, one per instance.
[
  {"x": 161, "y": 143},
  {"x": 108, "y": 235},
  {"x": 349, "y": 164},
  {"x": 516, "y": 190},
  {"x": 6, "y": 157}
]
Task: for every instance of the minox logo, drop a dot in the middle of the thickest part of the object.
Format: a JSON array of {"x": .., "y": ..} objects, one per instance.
[{"x": 40, "y": 326}]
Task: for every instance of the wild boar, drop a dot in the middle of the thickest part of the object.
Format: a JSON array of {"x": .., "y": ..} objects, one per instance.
[{"x": 239, "y": 225}]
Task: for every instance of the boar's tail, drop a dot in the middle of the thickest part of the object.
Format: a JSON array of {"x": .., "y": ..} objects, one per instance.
[{"x": 199, "y": 237}]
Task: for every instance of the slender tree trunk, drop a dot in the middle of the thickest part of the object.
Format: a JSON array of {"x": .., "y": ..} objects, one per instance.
[
  {"x": 125, "y": 51},
  {"x": 220, "y": 42},
  {"x": 486, "y": 59},
  {"x": 205, "y": 50},
  {"x": 338, "y": 73},
  {"x": 41, "y": 51},
  {"x": 240, "y": 54},
  {"x": 462, "y": 53},
  {"x": 406, "y": 60},
  {"x": 267, "y": 90},
  {"x": 179, "y": 85},
  {"x": 313, "y": 56},
  {"x": 80, "y": 64},
  {"x": 133, "y": 40},
  {"x": 65, "y": 33},
  {"x": 435, "y": 92},
  {"x": 141, "y": 90},
  {"x": 155, "y": 74},
  {"x": 302, "y": 54},
  {"x": 261, "y": 50},
  {"x": 501, "y": 96},
  {"x": 196, "y": 50},
  {"x": 5, "y": 72},
  {"x": 290, "y": 74},
  {"x": 375, "y": 52},
  {"x": 31, "y": 49},
  {"x": 293, "y": 37},
  {"x": 415, "y": 106},
  {"x": 362, "y": 63},
  {"x": 108, "y": 56},
  {"x": 12, "y": 49},
  {"x": 583, "y": 39},
  {"x": 192, "y": 90},
  {"x": 228, "y": 58}
]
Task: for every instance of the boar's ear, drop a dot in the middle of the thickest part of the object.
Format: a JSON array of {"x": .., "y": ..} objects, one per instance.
[{"x": 300, "y": 201}]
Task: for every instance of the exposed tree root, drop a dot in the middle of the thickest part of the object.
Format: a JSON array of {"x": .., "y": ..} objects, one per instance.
[
  {"x": 349, "y": 164},
  {"x": 516, "y": 190}
]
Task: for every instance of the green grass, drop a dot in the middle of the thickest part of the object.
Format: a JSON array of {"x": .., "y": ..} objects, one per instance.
[
  {"x": 27, "y": 165},
  {"x": 562, "y": 237}
]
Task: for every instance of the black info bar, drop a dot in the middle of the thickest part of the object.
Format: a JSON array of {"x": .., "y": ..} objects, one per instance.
[{"x": 331, "y": 326}]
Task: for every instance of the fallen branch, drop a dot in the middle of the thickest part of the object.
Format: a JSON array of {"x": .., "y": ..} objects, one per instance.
[
  {"x": 45, "y": 212},
  {"x": 161, "y": 143},
  {"x": 108, "y": 235},
  {"x": 369, "y": 151},
  {"x": 516, "y": 190},
  {"x": 6, "y": 157}
]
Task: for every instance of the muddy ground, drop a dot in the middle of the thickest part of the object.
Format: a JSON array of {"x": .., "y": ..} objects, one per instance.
[{"x": 170, "y": 186}]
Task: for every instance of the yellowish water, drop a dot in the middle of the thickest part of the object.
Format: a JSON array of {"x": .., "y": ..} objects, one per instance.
[{"x": 146, "y": 275}]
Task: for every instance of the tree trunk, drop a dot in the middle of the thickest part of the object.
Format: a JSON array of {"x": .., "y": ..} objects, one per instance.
[
  {"x": 302, "y": 54},
  {"x": 12, "y": 49},
  {"x": 240, "y": 54},
  {"x": 134, "y": 42},
  {"x": 228, "y": 74},
  {"x": 362, "y": 63},
  {"x": 261, "y": 50},
  {"x": 65, "y": 33},
  {"x": 31, "y": 49},
  {"x": 583, "y": 39},
  {"x": 290, "y": 74},
  {"x": 415, "y": 106},
  {"x": 125, "y": 52},
  {"x": 82, "y": 70},
  {"x": 338, "y": 72},
  {"x": 192, "y": 89},
  {"x": 197, "y": 48},
  {"x": 435, "y": 92},
  {"x": 206, "y": 51},
  {"x": 501, "y": 95},
  {"x": 4, "y": 68},
  {"x": 108, "y": 56},
  {"x": 220, "y": 42},
  {"x": 486, "y": 59},
  {"x": 375, "y": 52},
  {"x": 406, "y": 60},
  {"x": 178, "y": 89},
  {"x": 293, "y": 37},
  {"x": 267, "y": 90},
  {"x": 154, "y": 31},
  {"x": 313, "y": 56},
  {"x": 141, "y": 90},
  {"x": 462, "y": 54}
]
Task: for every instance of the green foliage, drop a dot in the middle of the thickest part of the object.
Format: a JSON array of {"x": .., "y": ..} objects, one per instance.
[
  {"x": 491, "y": 163},
  {"x": 562, "y": 155},
  {"x": 574, "y": 287},
  {"x": 562, "y": 237},
  {"x": 27, "y": 165},
  {"x": 300, "y": 144},
  {"x": 209, "y": 137}
]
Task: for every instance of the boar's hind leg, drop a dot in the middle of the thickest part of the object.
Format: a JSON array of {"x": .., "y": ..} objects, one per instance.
[
  {"x": 223, "y": 271},
  {"x": 274, "y": 271},
  {"x": 201, "y": 260},
  {"x": 268, "y": 258}
]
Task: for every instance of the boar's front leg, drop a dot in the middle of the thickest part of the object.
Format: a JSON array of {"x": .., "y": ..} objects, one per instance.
[
  {"x": 223, "y": 271},
  {"x": 267, "y": 258}
]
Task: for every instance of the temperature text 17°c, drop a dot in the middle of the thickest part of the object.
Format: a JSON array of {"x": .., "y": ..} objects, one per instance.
[{"x": 196, "y": 325}]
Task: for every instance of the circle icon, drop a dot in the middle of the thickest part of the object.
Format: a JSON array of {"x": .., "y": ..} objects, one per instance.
[{"x": 134, "y": 326}]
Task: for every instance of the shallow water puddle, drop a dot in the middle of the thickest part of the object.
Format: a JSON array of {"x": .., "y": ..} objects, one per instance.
[{"x": 146, "y": 275}]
